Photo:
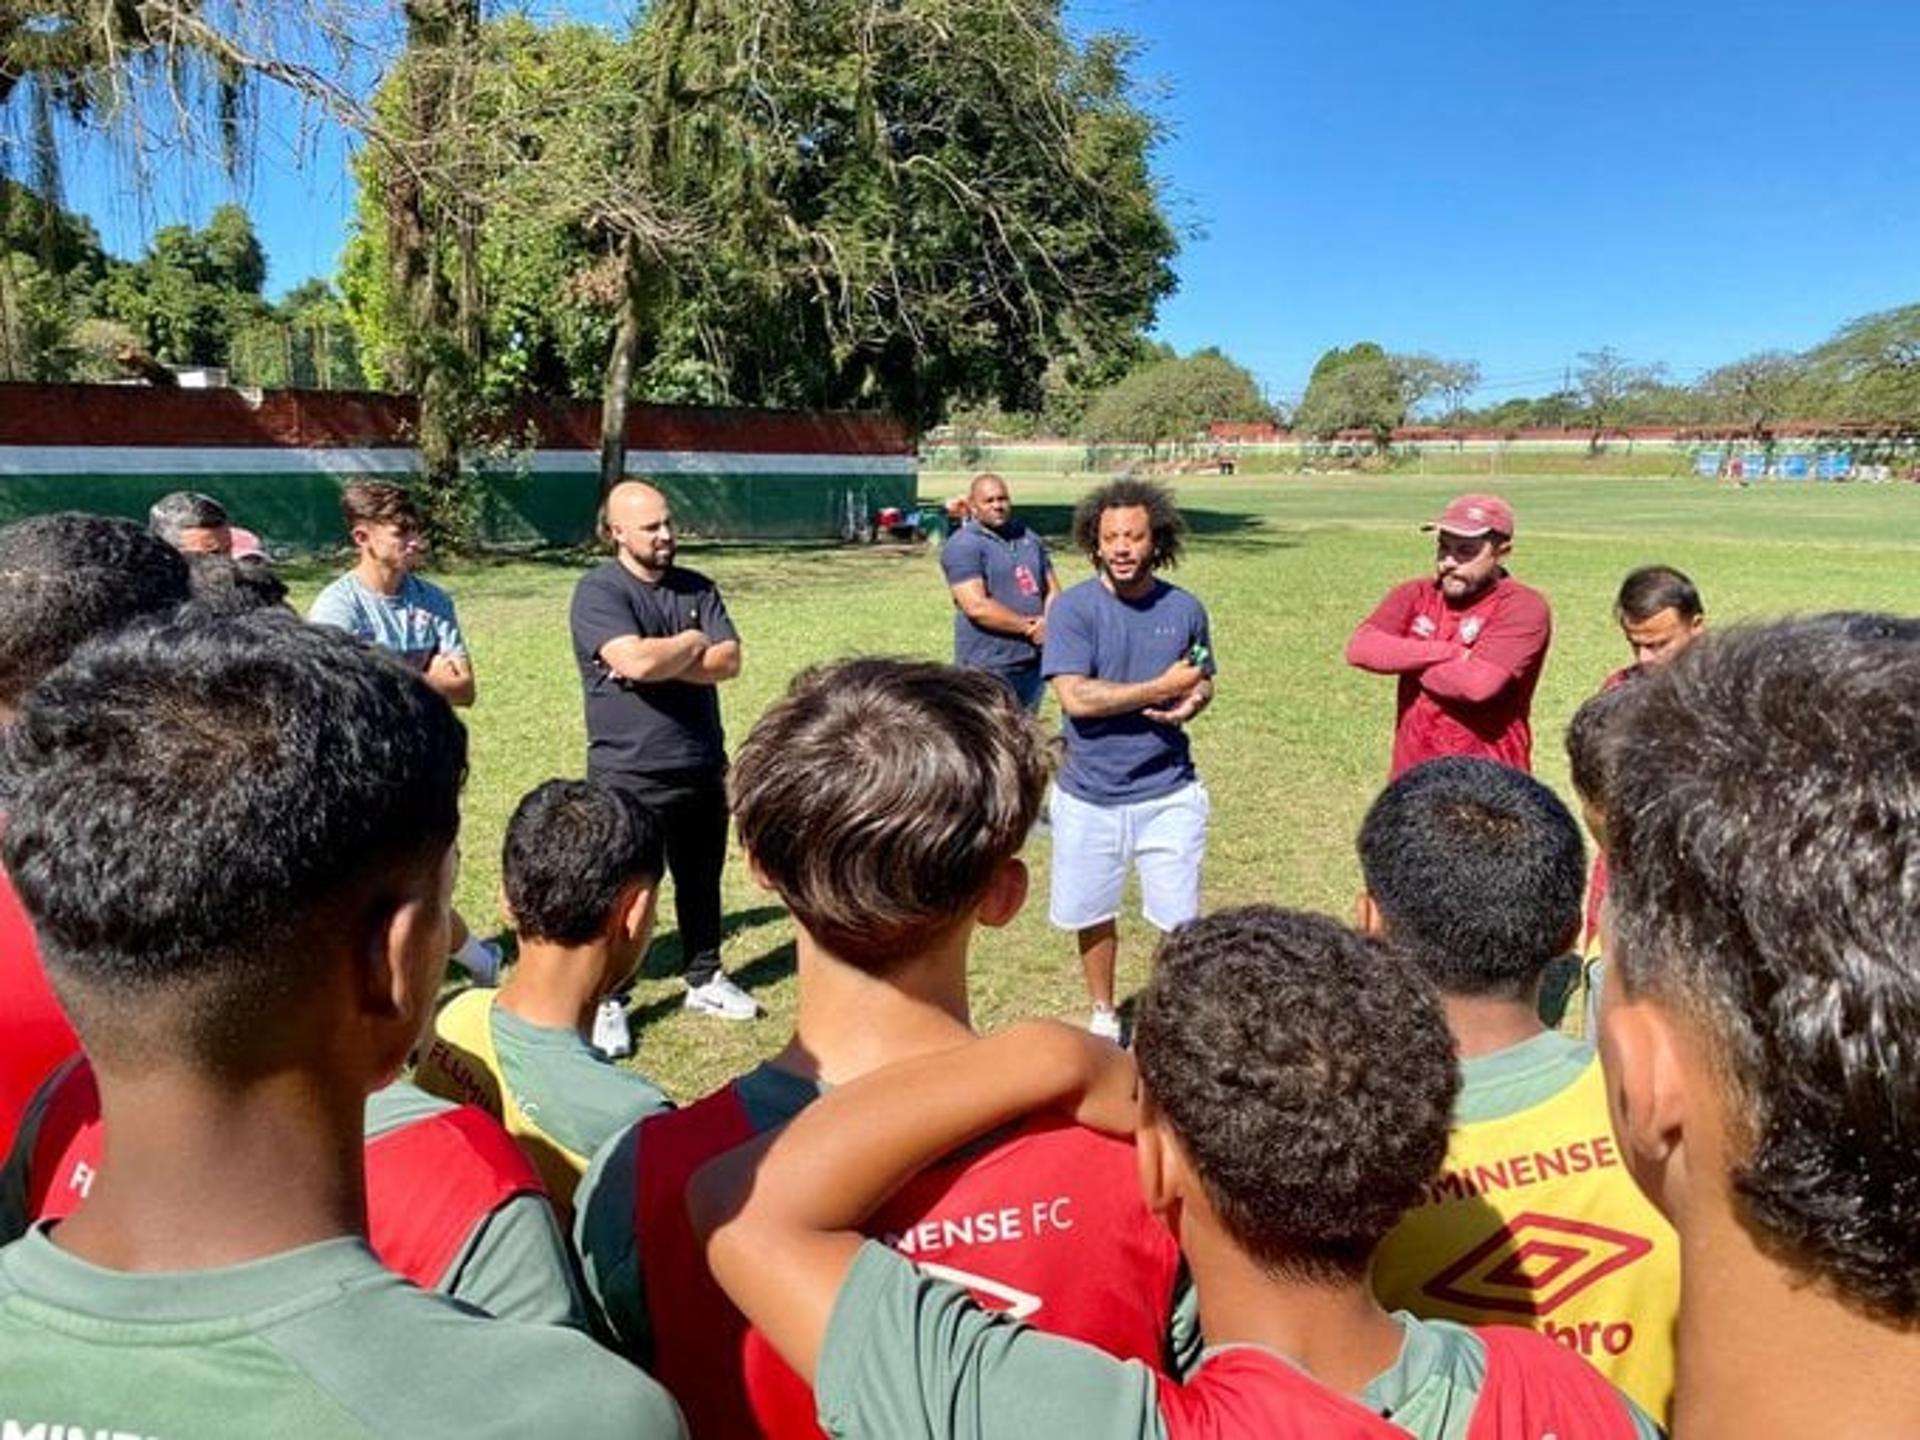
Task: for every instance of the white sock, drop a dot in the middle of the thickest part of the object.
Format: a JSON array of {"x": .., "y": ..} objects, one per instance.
[{"x": 611, "y": 1033}]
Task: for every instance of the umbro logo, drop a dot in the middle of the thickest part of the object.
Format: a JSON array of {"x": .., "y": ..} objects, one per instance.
[
  {"x": 990, "y": 1294},
  {"x": 1534, "y": 1264}
]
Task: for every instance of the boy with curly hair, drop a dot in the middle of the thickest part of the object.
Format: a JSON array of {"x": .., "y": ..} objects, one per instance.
[
  {"x": 1294, "y": 1088},
  {"x": 1131, "y": 661},
  {"x": 579, "y": 871}
]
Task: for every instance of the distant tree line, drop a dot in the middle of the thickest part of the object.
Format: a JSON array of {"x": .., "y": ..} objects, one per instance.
[
  {"x": 1867, "y": 373},
  {"x": 70, "y": 311}
]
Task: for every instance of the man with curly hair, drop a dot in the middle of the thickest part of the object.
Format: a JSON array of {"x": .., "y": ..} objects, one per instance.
[
  {"x": 1293, "y": 1093},
  {"x": 1466, "y": 644},
  {"x": 1759, "y": 1018},
  {"x": 1131, "y": 661}
]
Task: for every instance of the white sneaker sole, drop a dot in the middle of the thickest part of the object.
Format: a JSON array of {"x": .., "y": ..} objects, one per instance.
[{"x": 719, "y": 1009}]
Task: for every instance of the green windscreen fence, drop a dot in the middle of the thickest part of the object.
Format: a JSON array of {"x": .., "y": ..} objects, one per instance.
[{"x": 301, "y": 510}]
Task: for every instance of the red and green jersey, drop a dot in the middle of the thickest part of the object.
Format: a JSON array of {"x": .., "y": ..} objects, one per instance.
[
  {"x": 1043, "y": 1222},
  {"x": 452, "y": 1204},
  {"x": 318, "y": 1343},
  {"x": 34, "y": 1034},
  {"x": 1506, "y": 629},
  {"x": 560, "y": 1099},
  {"x": 909, "y": 1357}
]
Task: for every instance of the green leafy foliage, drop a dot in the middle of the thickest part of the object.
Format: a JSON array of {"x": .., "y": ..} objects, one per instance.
[
  {"x": 1870, "y": 370},
  {"x": 807, "y": 204},
  {"x": 1358, "y": 388},
  {"x": 1175, "y": 400}
]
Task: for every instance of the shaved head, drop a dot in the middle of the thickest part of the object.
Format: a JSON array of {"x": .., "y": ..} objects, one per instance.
[
  {"x": 988, "y": 499},
  {"x": 631, "y": 493},
  {"x": 640, "y": 520}
]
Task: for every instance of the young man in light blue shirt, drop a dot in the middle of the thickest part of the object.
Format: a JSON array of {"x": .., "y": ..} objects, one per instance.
[{"x": 381, "y": 600}]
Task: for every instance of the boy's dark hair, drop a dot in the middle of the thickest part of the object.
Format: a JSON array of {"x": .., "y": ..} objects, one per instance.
[
  {"x": 66, "y": 578},
  {"x": 1765, "y": 845},
  {"x": 878, "y": 797},
  {"x": 173, "y": 515},
  {"x": 1478, "y": 871},
  {"x": 234, "y": 584},
  {"x": 1593, "y": 741},
  {"x": 377, "y": 502},
  {"x": 1653, "y": 588},
  {"x": 1124, "y": 493},
  {"x": 1308, "y": 1073},
  {"x": 572, "y": 846},
  {"x": 192, "y": 803}
]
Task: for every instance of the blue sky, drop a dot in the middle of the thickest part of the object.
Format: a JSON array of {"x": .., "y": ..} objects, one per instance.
[{"x": 1510, "y": 181}]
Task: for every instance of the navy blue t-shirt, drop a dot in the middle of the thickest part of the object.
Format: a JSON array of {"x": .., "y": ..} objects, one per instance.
[
  {"x": 1014, "y": 565},
  {"x": 1123, "y": 759}
]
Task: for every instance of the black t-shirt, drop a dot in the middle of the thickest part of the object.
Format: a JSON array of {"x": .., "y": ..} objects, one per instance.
[{"x": 660, "y": 725}]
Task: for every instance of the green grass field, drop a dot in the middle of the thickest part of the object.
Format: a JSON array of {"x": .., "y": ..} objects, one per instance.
[{"x": 1294, "y": 747}]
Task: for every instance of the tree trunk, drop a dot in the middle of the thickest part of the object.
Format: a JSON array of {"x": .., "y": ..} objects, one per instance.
[
  {"x": 617, "y": 389},
  {"x": 641, "y": 271},
  {"x": 434, "y": 369}
]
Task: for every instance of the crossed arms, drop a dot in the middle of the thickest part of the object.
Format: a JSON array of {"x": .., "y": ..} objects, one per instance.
[
  {"x": 1447, "y": 669},
  {"x": 689, "y": 656}
]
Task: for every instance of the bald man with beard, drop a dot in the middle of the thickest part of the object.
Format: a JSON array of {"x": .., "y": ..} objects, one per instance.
[
  {"x": 1002, "y": 584},
  {"x": 654, "y": 643}
]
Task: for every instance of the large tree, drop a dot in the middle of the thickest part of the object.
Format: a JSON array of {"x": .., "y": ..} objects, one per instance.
[
  {"x": 1869, "y": 371},
  {"x": 1606, "y": 380},
  {"x": 1422, "y": 377},
  {"x": 821, "y": 203},
  {"x": 193, "y": 290},
  {"x": 1175, "y": 400},
  {"x": 1755, "y": 391},
  {"x": 1356, "y": 388}
]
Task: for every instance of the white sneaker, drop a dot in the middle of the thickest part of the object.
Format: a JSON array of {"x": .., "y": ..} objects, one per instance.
[
  {"x": 721, "y": 997},
  {"x": 611, "y": 1035},
  {"x": 481, "y": 959},
  {"x": 1105, "y": 1023}
]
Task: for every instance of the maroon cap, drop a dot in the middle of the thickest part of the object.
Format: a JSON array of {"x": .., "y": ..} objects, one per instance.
[{"x": 1471, "y": 515}]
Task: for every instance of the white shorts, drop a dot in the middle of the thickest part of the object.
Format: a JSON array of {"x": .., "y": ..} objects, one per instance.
[{"x": 1094, "y": 845}]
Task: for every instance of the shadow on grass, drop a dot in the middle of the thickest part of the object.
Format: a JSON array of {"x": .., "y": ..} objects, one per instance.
[
  {"x": 775, "y": 965},
  {"x": 665, "y": 957},
  {"x": 1053, "y": 521},
  {"x": 1056, "y": 521}
]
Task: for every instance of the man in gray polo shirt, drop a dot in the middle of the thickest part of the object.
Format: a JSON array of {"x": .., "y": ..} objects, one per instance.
[{"x": 1003, "y": 584}]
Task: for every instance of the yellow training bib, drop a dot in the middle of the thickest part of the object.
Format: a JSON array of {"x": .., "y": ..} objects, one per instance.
[
  {"x": 462, "y": 1063},
  {"x": 1534, "y": 1221}
]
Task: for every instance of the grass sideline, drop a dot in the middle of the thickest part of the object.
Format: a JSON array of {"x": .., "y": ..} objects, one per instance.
[{"x": 1292, "y": 751}]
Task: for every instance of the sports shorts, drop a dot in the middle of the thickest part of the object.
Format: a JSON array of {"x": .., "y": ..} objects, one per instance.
[{"x": 1095, "y": 845}]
